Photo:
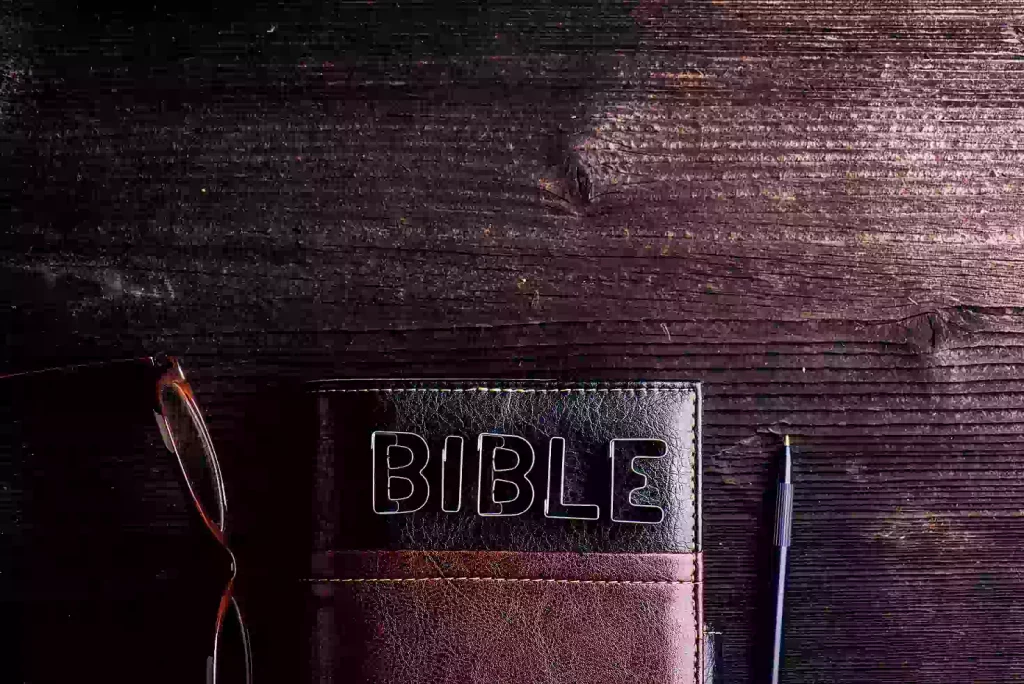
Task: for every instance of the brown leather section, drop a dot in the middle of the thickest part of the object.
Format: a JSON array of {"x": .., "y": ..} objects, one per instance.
[
  {"x": 509, "y": 617},
  {"x": 506, "y": 564}
]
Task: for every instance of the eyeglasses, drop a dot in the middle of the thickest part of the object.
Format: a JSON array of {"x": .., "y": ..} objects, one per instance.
[{"x": 185, "y": 435}]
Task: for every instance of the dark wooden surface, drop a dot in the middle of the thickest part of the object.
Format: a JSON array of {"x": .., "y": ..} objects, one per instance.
[{"x": 813, "y": 207}]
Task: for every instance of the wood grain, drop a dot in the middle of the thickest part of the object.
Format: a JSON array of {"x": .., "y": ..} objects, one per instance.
[{"x": 814, "y": 208}]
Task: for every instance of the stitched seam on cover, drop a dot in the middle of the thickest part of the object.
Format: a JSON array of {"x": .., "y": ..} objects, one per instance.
[
  {"x": 698, "y": 628},
  {"x": 517, "y": 390},
  {"x": 395, "y": 580}
]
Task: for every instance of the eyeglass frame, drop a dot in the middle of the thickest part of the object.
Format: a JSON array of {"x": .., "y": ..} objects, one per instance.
[{"x": 173, "y": 378}]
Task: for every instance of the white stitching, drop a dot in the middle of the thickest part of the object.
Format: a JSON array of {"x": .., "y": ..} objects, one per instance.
[
  {"x": 698, "y": 628},
  {"x": 524, "y": 390},
  {"x": 386, "y": 580}
]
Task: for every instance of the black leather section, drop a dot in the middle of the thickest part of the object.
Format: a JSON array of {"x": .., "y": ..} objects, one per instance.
[{"x": 586, "y": 416}]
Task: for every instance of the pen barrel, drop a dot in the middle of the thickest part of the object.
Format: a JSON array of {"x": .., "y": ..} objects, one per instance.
[
  {"x": 780, "y": 593},
  {"x": 784, "y": 514}
]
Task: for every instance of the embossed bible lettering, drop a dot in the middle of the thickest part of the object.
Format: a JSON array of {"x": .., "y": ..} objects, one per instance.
[{"x": 503, "y": 486}]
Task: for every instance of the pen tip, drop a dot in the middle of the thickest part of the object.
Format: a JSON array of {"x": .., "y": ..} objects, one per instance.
[{"x": 787, "y": 440}]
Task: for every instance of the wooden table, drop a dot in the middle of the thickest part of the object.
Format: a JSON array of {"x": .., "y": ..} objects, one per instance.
[{"x": 815, "y": 208}]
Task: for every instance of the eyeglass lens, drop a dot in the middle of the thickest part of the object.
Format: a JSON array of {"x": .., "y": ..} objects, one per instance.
[
  {"x": 195, "y": 452},
  {"x": 233, "y": 657}
]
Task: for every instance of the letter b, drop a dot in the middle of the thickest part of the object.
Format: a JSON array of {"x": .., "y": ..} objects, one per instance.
[
  {"x": 399, "y": 459},
  {"x": 503, "y": 488}
]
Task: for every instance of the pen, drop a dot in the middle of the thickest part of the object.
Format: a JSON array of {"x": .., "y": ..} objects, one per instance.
[{"x": 783, "y": 528}]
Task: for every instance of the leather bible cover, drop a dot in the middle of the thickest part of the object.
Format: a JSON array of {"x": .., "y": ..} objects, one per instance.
[{"x": 506, "y": 531}]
